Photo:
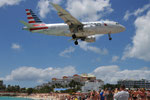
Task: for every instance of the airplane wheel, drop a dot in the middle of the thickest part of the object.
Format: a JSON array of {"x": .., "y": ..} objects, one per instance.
[
  {"x": 76, "y": 42},
  {"x": 73, "y": 36},
  {"x": 109, "y": 36}
]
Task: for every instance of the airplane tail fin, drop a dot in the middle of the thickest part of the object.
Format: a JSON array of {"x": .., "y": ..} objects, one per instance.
[{"x": 32, "y": 18}]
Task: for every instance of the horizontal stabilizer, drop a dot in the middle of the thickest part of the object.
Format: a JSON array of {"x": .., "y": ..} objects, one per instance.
[{"x": 26, "y": 24}]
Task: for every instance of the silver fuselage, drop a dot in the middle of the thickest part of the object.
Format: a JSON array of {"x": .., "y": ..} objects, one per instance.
[{"x": 90, "y": 28}]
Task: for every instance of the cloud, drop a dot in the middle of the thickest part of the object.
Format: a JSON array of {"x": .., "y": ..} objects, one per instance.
[
  {"x": 15, "y": 46},
  {"x": 127, "y": 15},
  {"x": 44, "y": 6},
  {"x": 109, "y": 74},
  {"x": 86, "y": 47},
  {"x": 115, "y": 58},
  {"x": 66, "y": 52},
  {"x": 79, "y": 8},
  {"x": 38, "y": 74},
  {"x": 89, "y": 10},
  {"x": 9, "y": 2},
  {"x": 140, "y": 44},
  {"x": 136, "y": 12},
  {"x": 113, "y": 73}
]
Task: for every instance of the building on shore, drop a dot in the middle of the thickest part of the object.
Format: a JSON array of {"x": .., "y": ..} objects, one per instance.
[
  {"x": 92, "y": 85},
  {"x": 88, "y": 81},
  {"x": 78, "y": 78},
  {"x": 67, "y": 79},
  {"x": 135, "y": 83}
]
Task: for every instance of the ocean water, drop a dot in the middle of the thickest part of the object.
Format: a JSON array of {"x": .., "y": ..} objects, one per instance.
[{"x": 13, "y": 98}]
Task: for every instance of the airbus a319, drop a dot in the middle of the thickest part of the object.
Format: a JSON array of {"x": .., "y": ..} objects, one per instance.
[{"x": 85, "y": 31}]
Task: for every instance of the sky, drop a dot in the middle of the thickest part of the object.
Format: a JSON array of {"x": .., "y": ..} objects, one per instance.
[{"x": 29, "y": 59}]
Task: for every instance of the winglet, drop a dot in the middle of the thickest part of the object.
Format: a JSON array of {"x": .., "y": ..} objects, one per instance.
[{"x": 52, "y": 3}]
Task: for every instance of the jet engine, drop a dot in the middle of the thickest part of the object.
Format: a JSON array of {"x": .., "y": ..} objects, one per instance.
[{"x": 89, "y": 39}]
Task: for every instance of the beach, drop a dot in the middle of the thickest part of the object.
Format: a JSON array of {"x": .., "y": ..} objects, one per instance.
[{"x": 45, "y": 96}]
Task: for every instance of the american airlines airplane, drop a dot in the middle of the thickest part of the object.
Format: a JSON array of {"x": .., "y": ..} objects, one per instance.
[{"x": 85, "y": 31}]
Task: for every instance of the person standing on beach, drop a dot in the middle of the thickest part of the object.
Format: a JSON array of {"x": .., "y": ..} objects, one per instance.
[
  {"x": 102, "y": 95},
  {"x": 122, "y": 95},
  {"x": 108, "y": 95}
]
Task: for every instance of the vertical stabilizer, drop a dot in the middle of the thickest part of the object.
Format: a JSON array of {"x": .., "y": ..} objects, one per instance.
[{"x": 32, "y": 18}]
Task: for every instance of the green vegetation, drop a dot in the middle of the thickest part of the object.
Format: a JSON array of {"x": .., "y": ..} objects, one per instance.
[
  {"x": 15, "y": 88},
  {"x": 2, "y": 88},
  {"x": 73, "y": 87},
  {"x": 111, "y": 86},
  {"x": 30, "y": 91}
]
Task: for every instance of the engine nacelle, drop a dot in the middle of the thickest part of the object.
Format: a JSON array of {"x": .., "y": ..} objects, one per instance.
[{"x": 89, "y": 39}]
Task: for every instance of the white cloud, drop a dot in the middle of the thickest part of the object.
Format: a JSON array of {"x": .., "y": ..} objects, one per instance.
[
  {"x": 9, "y": 2},
  {"x": 127, "y": 15},
  {"x": 38, "y": 74},
  {"x": 66, "y": 52},
  {"x": 86, "y": 47},
  {"x": 115, "y": 58},
  {"x": 136, "y": 12},
  {"x": 83, "y": 9},
  {"x": 140, "y": 44},
  {"x": 89, "y": 10},
  {"x": 44, "y": 6},
  {"x": 15, "y": 46},
  {"x": 112, "y": 73}
]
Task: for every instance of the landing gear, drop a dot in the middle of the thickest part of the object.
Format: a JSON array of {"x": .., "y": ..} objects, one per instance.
[
  {"x": 74, "y": 36},
  {"x": 76, "y": 42},
  {"x": 109, "y": 36}
]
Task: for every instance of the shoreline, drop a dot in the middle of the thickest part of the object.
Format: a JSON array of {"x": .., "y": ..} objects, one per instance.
[
  {"x": 39, "y": 97},
  {"x": 31, "y": 97}
]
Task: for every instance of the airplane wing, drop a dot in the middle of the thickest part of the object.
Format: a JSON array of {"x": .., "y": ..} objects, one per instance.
[{"x": 73, "y": 23}]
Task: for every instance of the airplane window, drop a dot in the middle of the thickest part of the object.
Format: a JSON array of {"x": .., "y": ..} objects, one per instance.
[
  {"x": 99, "y": 24},
  {"x": 96, "y": 24}
]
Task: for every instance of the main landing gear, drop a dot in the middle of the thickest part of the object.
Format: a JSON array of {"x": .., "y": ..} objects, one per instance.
[
  {"x": 76, "y": 42},
  {"x": 110, "y": 38},
  {"x": 75, "y": 38}
]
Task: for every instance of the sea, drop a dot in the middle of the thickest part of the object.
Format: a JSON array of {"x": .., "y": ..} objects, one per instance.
[{"x": 13, "y": 98}]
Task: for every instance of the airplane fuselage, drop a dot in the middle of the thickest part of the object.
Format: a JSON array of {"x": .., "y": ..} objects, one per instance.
[
  {"x": 72, "y": 27},
  {"x": 89, "y": 28}
]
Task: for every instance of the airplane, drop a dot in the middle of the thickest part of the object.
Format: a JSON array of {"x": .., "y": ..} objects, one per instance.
[{"x": 84, "y": 31}]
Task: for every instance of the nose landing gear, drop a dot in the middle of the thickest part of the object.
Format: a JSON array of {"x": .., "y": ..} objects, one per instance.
[
  {"x": 75, "y": 38},
  {"x": 110, "y": 38}
]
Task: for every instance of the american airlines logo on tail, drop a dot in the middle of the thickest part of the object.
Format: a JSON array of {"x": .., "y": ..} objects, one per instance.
[{"x": 32, "y": 18}]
